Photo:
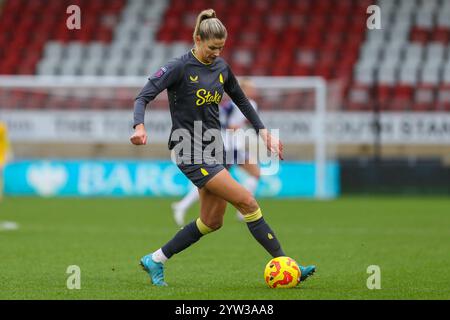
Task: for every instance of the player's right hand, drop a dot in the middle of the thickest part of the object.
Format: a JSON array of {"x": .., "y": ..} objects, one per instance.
[{"x": 139, "y": 136}]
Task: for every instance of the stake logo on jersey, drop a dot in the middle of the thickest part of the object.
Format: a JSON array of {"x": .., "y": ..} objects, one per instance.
[{"x": 207, "y": 97}]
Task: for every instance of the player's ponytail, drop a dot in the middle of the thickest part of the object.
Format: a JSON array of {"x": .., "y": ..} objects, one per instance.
[{"x": 208, "y": 26}]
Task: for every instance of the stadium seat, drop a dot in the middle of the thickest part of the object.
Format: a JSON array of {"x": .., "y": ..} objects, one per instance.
[
  {"x": 443, "y": 97},
  {"x": 402, "y": 97},
  {"x": 424, "y": 98},
  {"x": 383, "y": 96},
  {"x": 360, "y": 97}
]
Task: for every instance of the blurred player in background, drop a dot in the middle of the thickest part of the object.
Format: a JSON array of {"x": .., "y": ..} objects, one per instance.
[
  {"x": 230, "y": 118},
  {"x": 5, "y": 153},
  {"x": 195, "y": 84}
]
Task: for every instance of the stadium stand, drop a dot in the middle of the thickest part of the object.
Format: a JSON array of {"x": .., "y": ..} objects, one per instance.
[{"x": 404, "y": 66}]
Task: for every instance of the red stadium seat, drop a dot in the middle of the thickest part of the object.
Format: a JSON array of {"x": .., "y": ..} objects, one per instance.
[
  {"x": 301, "y": 70},
  {"x": 402, "y": 98},
  {"x": 259, "y": 70},
  {"x": 441, "y": 35},
  {"x": 360, "y": 98},
  {"x": 383, "y": 96},
  {"x": 443, "y": 98},
  {"x": 419, "y": 35},
  {"x": 424, "y": 98}
]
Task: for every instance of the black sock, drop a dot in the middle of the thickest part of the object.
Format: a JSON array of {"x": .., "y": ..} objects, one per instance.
[
  {"x": 263, "y": 234},
  {"x": 190, "y": 234}
]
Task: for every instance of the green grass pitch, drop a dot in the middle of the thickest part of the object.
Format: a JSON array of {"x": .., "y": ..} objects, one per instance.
[{"x": 408, "y": 238}]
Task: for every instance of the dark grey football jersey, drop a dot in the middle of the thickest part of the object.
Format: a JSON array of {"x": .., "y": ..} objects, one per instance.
[{"x": 195, "y": 91}]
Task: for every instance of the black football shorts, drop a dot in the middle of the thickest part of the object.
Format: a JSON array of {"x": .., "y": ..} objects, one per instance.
[{"x": 200, "y": 174}]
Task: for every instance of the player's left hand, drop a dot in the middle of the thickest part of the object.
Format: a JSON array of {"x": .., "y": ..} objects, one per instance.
[{"x": 273, "y": 144}]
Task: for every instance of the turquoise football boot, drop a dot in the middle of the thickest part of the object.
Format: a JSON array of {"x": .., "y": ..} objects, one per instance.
[
  {"x": 307, "y": 272},
  {"x": 154, "y": 269}
]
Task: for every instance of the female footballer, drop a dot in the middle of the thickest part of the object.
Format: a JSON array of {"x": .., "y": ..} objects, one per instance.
[
  {"x": 230, "y": 119},
  {"x": 195, "y": 84}
]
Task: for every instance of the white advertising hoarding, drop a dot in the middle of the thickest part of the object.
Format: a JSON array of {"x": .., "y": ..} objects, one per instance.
[{"x": 295, "y": 127}]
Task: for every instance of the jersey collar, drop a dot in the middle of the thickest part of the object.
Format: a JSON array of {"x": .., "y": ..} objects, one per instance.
[{"x": 206, "y": 64}]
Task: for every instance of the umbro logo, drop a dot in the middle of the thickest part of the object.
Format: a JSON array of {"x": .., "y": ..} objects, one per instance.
[{"x": 193, "y": 79}]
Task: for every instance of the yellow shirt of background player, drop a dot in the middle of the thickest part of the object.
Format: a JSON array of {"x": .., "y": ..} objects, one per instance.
[{"x": 4, "y": 143}]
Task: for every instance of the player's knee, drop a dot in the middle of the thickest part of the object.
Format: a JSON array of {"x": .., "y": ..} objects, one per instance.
[{"x": 248, "y": 203}]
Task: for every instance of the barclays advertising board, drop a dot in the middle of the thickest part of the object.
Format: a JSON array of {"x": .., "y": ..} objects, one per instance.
[{"x": 148, "y": 178}]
